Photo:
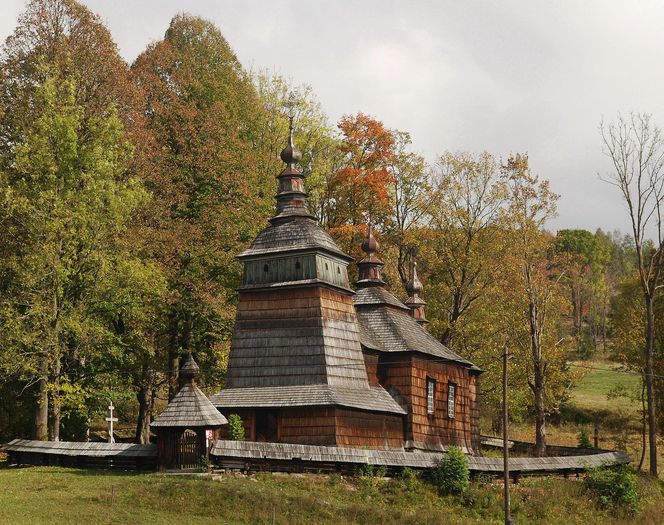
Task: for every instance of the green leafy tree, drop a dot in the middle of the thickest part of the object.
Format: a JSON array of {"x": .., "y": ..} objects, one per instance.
[
  {"x": 313, "y": 135},
  {"x": 452, "y": 475},
  {"x": 536, "y": 293},
  {"x": 65, "y": 202}
]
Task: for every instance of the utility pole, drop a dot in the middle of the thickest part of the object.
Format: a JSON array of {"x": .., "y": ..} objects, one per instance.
[{"x": 506, "y": 450}]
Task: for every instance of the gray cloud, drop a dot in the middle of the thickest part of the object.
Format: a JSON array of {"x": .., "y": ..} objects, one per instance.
[{"x": 499, "y": 76}]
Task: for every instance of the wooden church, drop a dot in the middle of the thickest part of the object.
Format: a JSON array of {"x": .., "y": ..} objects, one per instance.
[{"x": 314, "y": 361}]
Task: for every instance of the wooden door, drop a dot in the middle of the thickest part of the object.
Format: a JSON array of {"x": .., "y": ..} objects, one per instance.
[{"x": 189, "y": 450}]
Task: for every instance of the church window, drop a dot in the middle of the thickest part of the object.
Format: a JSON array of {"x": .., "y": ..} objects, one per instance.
[
  {"x": 297, "y": 265},
  {"x": 451, "y": 392},
  {"x": 266, "y": 268},
  {"x": 431, "y": 395}
]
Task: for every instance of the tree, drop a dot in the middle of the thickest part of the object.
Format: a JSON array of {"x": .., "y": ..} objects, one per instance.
[
  {"x": 209, "y": 193},
  {"x": 62, "y": 39},
  {"x": 531, "y": 204},
  {"x": 583, "y": 264},
  {"x": 635, "y": 147},
  {"x": 65, "y": 202},
  {"x": 360, "y": 187},
  {"x": 412, "y": 198},
  {"x": 465, "y": 221},
  {"x": 313, "y": 134}
]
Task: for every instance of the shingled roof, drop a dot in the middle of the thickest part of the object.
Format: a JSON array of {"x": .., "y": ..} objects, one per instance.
[
  {"x": 386, "y": 324},
  {"x": 390, "y": 329},
  {"x": 298, "y": 234},
  {"x": 374, "y": 398},
  {"x": 190, "y": 407}
]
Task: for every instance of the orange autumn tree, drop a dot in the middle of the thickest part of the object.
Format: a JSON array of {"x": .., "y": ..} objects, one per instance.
[{"x": 361, "y": 185}]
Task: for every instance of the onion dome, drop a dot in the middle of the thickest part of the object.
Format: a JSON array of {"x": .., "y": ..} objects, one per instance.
[
  {"x": 413, "y": 286},
  {"x": 290, "y": 154},
  {"x": 414, "y": 301},
  {"x": 370, "y": 266},
  {"x": 291, "y": 198}
]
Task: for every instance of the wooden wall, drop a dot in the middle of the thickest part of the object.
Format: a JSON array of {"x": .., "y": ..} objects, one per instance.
[
  {"x": 363, "y": 429},
  {"x": 408, "y": 374},
  {"x": 331, "y": 426},
  {"x": 371, "y": 364}
]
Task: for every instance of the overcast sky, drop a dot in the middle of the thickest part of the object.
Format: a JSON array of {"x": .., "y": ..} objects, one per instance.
[{"x": 502, "y": 76}]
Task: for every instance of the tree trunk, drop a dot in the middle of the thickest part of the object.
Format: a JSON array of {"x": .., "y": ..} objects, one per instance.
[
  {"x": 55, "y": 412},
  {"x": 643, "y": 424},
  {"x": 540, "y": 414},
  {"x": 145, "y": 407},
  {"x": 650, "y": 387},
  {"x": 173, "y": 357},
  {"x": 55, "y": 405},
  {"x": 40, "y": 427}
]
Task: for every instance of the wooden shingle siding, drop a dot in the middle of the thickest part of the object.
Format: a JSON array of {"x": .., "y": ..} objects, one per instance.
[
  {"x": 371, "y": 364},
  {"x": 284, "y": 456},
  {"x": 319, "y": 345},
  {"x": 357, "y": 429},
  {"x": 439, "y": 430}
]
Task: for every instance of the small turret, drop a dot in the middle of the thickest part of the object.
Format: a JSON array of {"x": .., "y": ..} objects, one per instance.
[
  {"x": 291, "y": 198},
  {"x": 414, "y": 301},
  {"x": 370, "y": 266},
  {"x": 190, "y": 370}
]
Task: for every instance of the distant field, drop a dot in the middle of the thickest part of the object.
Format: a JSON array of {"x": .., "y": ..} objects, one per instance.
[
  {"x": 591, "y": 392},
  {"x": 60, "y": 496}
]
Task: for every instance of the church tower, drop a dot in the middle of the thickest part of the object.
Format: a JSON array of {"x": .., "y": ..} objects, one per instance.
[{"x": 296, "y": 372}]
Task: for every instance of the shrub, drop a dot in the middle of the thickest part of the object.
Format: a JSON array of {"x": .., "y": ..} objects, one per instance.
[
  {"x": 235, "y": 428},
  {"x": 409, "y": 479},
  {"x": 452, "y": 475},
  {"x": 613, "y": 487},
  {"x": 371, "y": 471},
  {"x": 584, "y": 439}
]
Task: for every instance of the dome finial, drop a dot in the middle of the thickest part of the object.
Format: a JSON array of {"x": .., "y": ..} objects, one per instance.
[
  {"x": 414, "y": 285},
  {"x": 290, "y": 155},
  {"x": 370, "y": 265},
  {"x": 370, "y": 244},
  {"x": 190, "y": 369}
]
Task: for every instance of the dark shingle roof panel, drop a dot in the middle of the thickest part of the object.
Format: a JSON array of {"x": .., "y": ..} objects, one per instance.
[
  {"x": 296, "y": 235},
  {"x": 72, "y": 448},
  {"x": 190, "y": 408},
  {"x": 401, "y": 458},
  {"x": 285, "y": 346},
  {"x": 377, "y": 295},
  {"x": 389, "y": 330},
  {"x": 374, "y": 398}
]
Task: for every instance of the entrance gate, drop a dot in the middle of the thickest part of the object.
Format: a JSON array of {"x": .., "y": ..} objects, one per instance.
[{"x": 189, "y": 450}]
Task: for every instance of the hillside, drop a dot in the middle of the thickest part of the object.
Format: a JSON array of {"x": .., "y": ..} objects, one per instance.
[{"x": 55, "y": 495}]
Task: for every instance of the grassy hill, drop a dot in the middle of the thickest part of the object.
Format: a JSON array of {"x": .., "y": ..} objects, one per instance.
[{"x": 56, "y": 495}]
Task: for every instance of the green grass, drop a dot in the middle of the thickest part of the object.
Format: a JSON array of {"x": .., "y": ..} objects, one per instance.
[
  {"x": 56, "y": 495},
  {"x": 592, "y": 391}
]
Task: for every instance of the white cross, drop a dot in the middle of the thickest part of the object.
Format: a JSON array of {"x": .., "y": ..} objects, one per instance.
[{"x": 111, "y": 420}]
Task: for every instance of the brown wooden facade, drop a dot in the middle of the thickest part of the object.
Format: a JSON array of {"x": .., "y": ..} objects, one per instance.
[
  {"x": 315, "y": 362},
  {"x": 330, "y": 426}
]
